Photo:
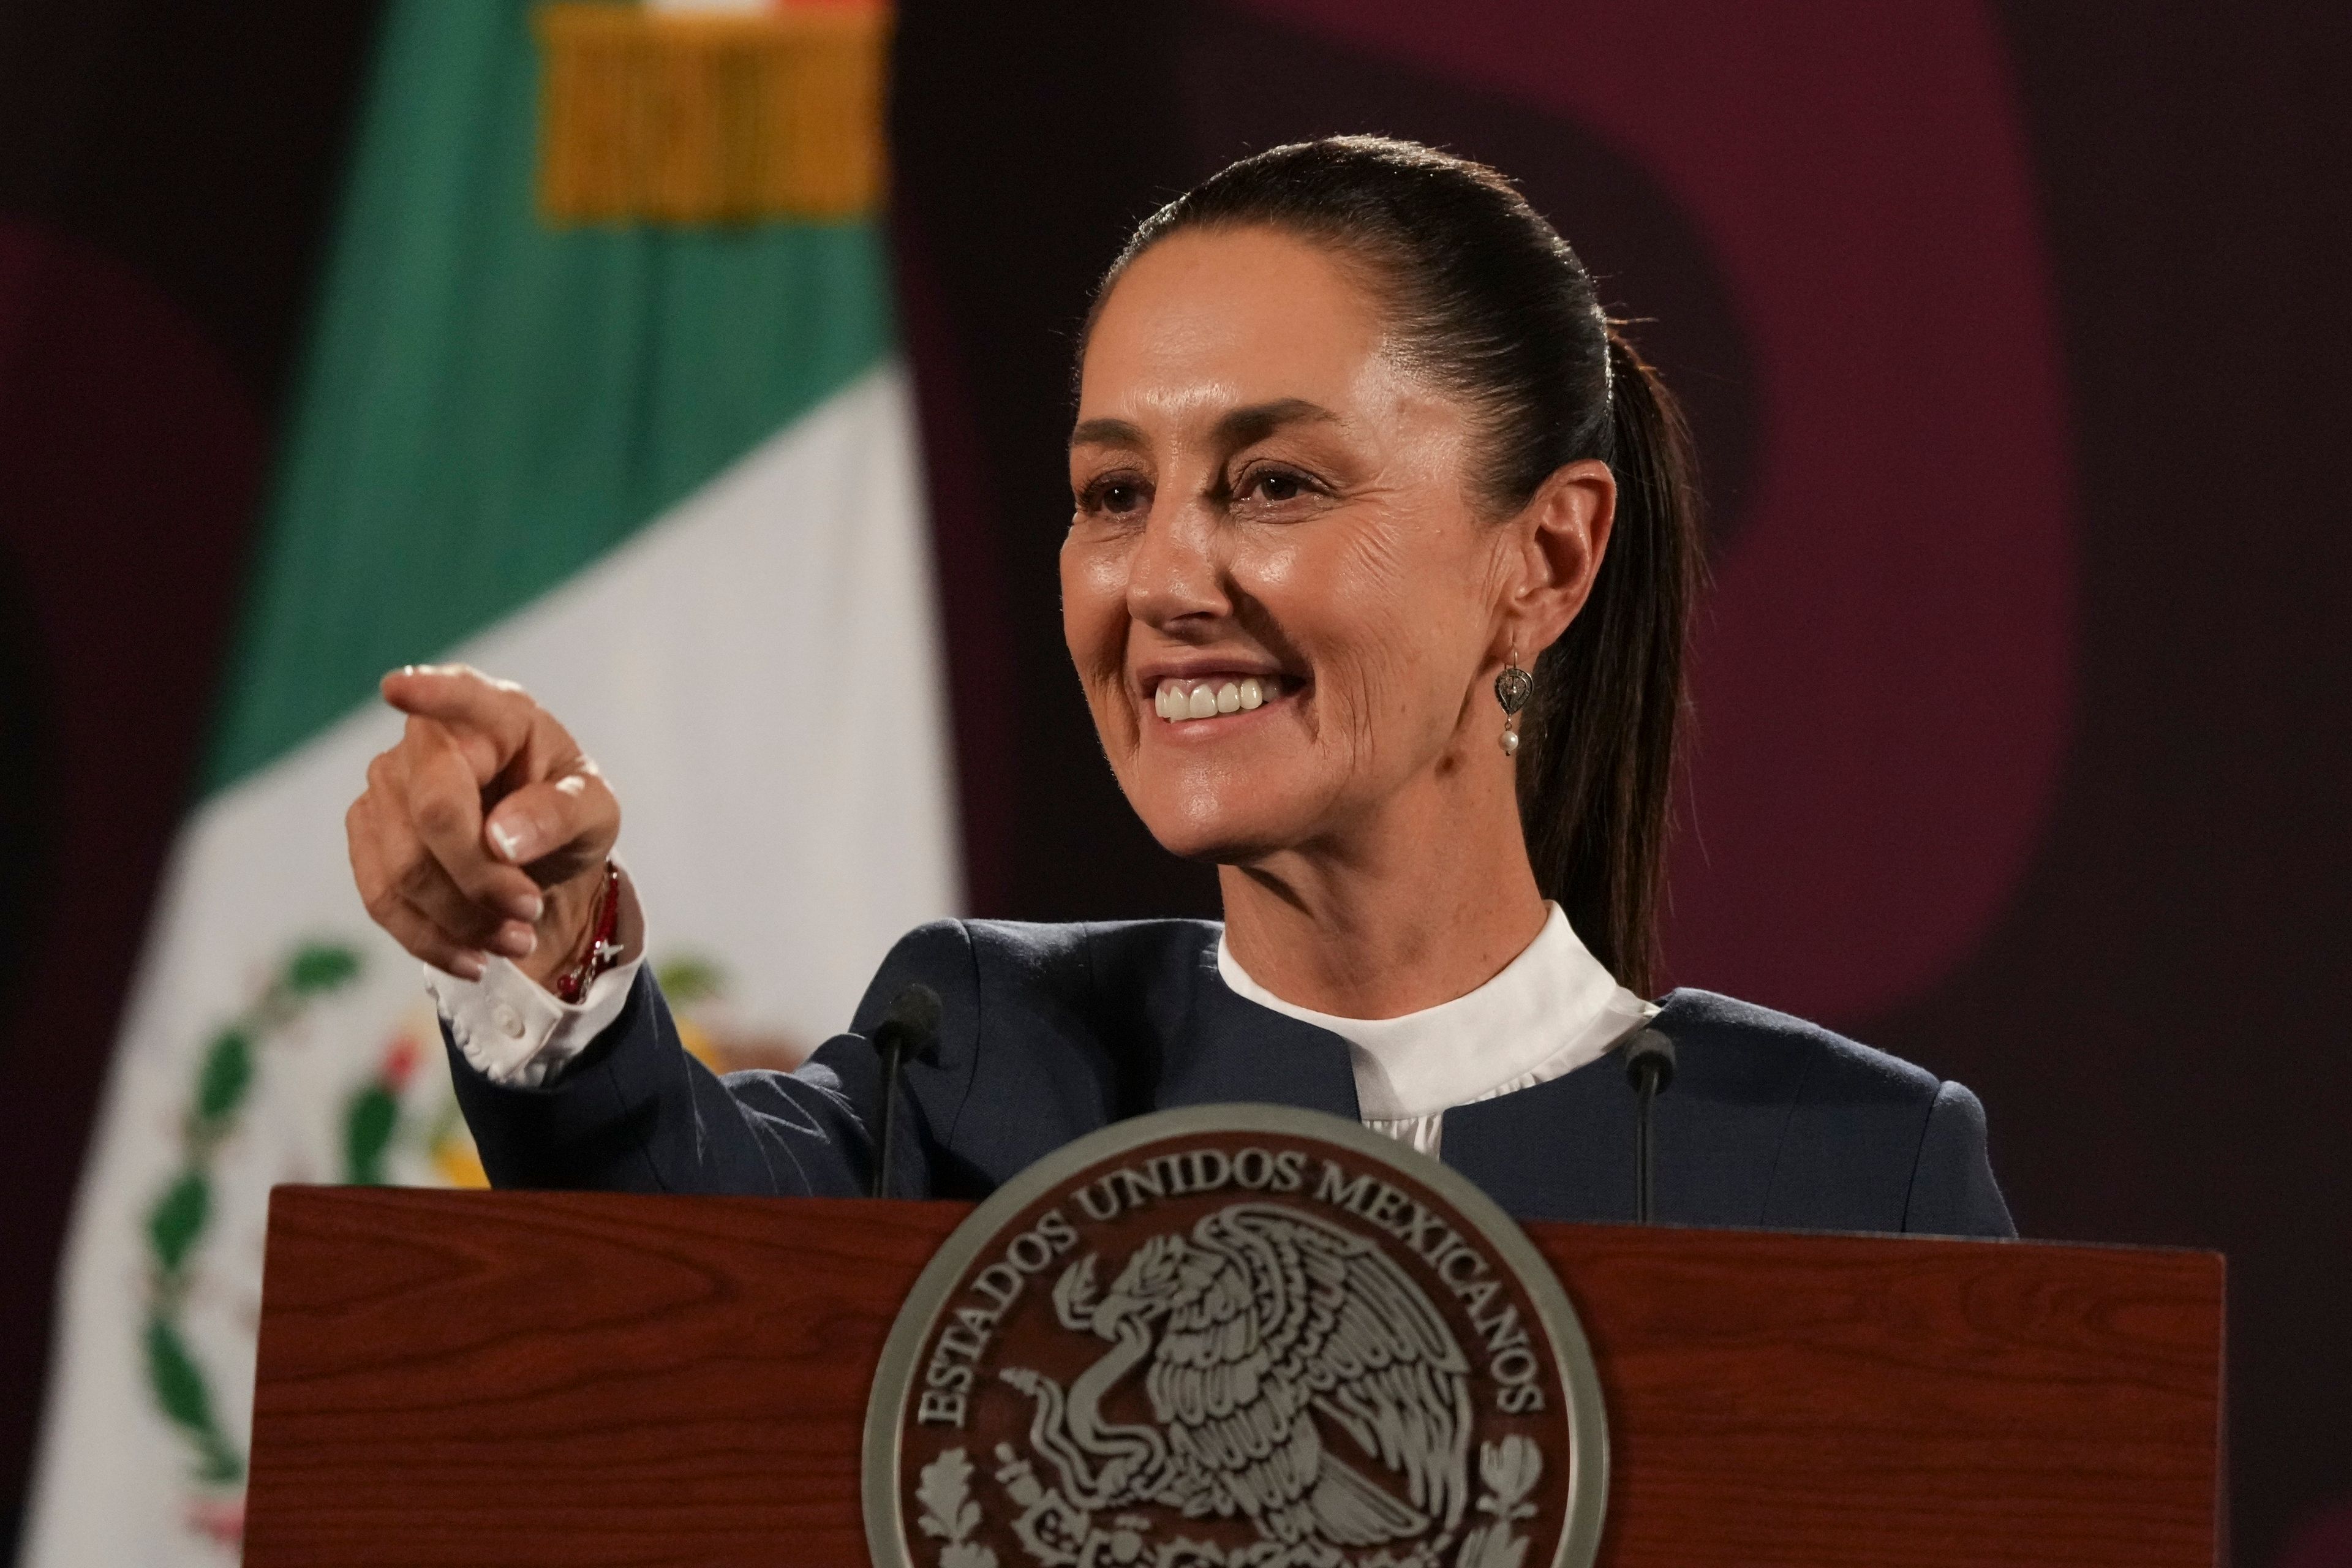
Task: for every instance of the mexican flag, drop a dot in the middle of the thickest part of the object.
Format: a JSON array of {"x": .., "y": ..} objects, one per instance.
[{"x": 602, "y": 396}]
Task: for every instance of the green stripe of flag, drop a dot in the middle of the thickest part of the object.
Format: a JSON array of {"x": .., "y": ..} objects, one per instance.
[{"x": 490, "y": 403}]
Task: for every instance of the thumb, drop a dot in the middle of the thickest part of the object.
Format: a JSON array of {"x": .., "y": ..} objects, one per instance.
[{"x": 558, "y": 828}]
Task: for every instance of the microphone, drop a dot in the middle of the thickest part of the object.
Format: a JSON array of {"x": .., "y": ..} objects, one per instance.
[
  {"x": 1650, "y": 1069},
  {"x": 911, "y": 1027}
]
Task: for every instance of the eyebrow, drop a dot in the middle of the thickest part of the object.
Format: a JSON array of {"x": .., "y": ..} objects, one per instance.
[{"x": 1238, "y": 428}]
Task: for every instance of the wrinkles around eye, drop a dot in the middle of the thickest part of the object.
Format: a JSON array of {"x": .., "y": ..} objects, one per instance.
[{"x": 1276, "y": 493}]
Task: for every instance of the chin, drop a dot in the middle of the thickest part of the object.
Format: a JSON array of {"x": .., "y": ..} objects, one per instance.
[{"x": 1228, "y": 822}]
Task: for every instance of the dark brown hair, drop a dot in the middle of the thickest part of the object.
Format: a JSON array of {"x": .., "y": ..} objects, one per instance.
[{"x": 1491, "y": 303}]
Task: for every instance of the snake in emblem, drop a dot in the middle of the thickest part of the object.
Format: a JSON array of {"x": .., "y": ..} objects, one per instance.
[{"x": 1296, "y": 1377}]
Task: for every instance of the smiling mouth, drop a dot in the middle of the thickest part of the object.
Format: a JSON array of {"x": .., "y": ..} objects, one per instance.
[{"x": 1188, "y": 701}]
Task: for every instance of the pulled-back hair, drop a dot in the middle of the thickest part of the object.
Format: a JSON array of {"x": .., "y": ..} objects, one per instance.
[{"x": 1485, "y": 298}]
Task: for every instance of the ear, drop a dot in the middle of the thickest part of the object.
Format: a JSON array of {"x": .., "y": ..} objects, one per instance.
[{"x": 1558, "y": 540}]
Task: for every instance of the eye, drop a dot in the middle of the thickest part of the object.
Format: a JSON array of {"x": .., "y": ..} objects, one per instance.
[
  {"x": 1274, "y": 487},
  {"x": 1115, "y": 495}
]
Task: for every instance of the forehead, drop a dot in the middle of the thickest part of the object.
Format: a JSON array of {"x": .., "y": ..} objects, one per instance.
[{"x": 1231, "y": 316}]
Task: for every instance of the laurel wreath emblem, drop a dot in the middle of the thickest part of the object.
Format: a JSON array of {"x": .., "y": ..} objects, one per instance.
[
  {"x": 948, "y": 1513},
  {"x": 1507, "y": 1469},
  {"x": 373, "y": 1127},
  {"x": 178, "y": 1220}
]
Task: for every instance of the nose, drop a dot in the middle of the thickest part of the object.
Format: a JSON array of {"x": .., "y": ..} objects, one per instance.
[{"x": 1176, "y": 576}]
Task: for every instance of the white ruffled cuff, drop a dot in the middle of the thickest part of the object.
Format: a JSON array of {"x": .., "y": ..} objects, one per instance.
[{"x": 514, "y": 1030}]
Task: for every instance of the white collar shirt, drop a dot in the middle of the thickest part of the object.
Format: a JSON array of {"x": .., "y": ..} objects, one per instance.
[{"x": 1552, "y": 1009}]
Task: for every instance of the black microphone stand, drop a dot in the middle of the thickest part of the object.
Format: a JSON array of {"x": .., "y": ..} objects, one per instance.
[{"x": 1650, "y": 1069}]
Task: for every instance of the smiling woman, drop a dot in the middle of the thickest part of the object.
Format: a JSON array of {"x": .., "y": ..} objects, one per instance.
[
  {"x": 1418, "y": 369},
  {"x": 1362, "y": 481}
]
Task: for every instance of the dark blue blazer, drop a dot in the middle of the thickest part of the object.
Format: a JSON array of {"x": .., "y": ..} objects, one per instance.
[{"x": 1052, "y": 1031}]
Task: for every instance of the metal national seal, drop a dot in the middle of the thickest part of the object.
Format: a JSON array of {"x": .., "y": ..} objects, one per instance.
[{"x": 1236, "y": 1336}]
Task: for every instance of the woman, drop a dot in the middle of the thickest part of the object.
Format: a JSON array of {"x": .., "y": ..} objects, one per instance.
[{"x": 1382, "y": 547}]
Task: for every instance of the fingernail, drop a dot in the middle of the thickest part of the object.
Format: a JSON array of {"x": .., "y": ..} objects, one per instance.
[
  {"x": 470, "y": 966},
  {"x": 527, "y": 906},
  {"x": 509, "y": 843},
  {"x": 515, "y": 941}
]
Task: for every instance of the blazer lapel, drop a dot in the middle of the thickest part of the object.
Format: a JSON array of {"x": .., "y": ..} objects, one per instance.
[{"x": 1228, "y": 1049}]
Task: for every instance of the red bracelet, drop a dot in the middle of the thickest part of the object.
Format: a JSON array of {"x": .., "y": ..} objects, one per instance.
[{"x": 572, "y": 986}]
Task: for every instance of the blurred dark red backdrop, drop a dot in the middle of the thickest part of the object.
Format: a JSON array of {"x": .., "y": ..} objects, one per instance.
[{"x": 2015, "y": 339}]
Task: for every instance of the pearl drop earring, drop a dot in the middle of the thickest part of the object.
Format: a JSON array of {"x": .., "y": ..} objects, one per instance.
[{"x": 1511, "y": 688}]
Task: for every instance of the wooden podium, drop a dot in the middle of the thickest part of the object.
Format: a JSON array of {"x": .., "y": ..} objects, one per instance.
[{"x": 520, "y": 1378}]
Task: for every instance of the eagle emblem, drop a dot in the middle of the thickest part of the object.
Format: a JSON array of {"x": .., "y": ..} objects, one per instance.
[
  {"x": 1235, "y": 1336},
  {"x": 1295, "y": 1378}
]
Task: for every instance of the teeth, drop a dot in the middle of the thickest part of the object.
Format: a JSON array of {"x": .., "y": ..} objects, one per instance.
[{"x": 1181, "y": 701}]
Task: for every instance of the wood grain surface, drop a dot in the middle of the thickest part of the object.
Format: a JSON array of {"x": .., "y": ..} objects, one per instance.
[{"x": 524, "y": 1378}]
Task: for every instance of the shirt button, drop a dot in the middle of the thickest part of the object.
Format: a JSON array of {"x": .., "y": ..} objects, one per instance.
[{"x": 508, "y": 1021}]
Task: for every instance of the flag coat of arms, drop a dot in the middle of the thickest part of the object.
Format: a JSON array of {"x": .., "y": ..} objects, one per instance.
[{"x": 645, "y": 445}]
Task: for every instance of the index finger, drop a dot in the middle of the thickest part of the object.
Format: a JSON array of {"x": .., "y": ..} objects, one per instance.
[{"x": 459, "y": 694}]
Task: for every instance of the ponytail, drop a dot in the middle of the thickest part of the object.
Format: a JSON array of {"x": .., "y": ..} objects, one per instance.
[{"x": 1596, "y": 770}]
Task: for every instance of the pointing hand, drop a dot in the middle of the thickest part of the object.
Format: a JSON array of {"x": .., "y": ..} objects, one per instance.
[{"x": 484, "y": 830}]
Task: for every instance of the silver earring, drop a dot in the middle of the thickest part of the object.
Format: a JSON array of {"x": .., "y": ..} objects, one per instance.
[{"x": 1511, "y": 688}]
